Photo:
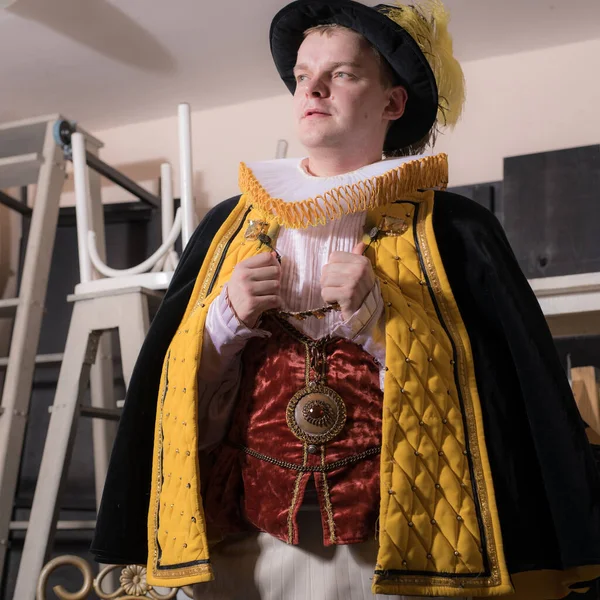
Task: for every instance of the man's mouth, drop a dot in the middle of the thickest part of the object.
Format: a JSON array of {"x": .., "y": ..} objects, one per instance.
[{"x": 316, "y": 113}]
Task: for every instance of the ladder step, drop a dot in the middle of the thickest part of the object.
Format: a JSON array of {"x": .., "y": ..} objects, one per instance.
[
  {"x": 61, "y": 525},
  {"x": 8, "y": 307},
  {"x": 17, "y": 171},
  {"x": 40, "y": 359},
  {"x": 108, "y": 414}
]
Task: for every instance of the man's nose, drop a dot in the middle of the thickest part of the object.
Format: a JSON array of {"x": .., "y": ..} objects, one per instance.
[{"x": 317, "y": 88}]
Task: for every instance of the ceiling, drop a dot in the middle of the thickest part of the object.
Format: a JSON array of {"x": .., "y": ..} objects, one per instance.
[{"x": 107, "y": 63}]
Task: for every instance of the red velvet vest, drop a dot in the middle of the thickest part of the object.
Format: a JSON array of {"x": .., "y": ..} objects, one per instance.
[{"x": 259, "y": 475}]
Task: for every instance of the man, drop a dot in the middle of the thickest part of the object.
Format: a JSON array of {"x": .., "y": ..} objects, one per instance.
[{"x": 356, "y": 381}]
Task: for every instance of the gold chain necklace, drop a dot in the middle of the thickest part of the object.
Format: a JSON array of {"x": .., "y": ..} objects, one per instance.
[{"x": 316, "y": 414}]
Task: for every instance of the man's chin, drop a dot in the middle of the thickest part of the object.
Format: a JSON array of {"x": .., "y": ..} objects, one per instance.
[{"x": 312, "y": 140}]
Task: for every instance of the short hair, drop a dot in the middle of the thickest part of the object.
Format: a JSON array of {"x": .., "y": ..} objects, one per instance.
[{"x": 388, "y": 80}]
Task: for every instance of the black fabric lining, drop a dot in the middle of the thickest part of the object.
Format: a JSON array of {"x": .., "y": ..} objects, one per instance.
[
  {"x": 162, "y": 402},
  {"x": 186, "y": 565},
  {"x": 225, "y": 250}
]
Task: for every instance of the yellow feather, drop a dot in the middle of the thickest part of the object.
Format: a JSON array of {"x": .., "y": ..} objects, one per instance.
[{"x": 427, "y": 23}]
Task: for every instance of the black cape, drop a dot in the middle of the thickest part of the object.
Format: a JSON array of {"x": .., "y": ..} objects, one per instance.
[{"x": 545, "y": 479}]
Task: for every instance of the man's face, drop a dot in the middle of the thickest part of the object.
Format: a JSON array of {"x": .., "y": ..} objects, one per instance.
[{"x": 340, "y": 99}]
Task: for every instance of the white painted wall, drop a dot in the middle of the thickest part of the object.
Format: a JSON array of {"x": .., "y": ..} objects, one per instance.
[
  {"x": 525, "y": 103},
  {"x": 517, "y": 104}
]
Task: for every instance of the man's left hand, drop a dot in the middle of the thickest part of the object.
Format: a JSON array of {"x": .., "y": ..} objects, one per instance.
[{"x": 347, "y": 279}]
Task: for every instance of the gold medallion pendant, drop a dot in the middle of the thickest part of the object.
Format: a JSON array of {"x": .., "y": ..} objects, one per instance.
[{"x": 316, "y": 414}]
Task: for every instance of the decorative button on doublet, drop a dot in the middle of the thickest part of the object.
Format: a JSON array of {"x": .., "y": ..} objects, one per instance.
[{"x": 316, "y": 414}]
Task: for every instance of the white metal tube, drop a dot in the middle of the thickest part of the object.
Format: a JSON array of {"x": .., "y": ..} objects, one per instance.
[
  {"x": 107, "y": 271},
  {"x": 282, "y": 147},
  {"x": 186, "y": 173},
  {"x": 167, "y": 205},
  {"x": 82, "y": 195}
]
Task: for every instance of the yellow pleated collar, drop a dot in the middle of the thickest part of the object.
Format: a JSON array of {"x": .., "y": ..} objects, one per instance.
[{"x": 361, "y": 192}]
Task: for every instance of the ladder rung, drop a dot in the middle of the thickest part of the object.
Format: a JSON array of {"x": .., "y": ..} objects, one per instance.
[
  {"x": 40, "y": 359},
  {"x": 60, "y": 525},
  {"x": 8, "y": 307},
  {"x": 108, "y": 414}
]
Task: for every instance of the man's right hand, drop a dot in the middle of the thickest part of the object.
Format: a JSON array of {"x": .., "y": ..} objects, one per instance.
[{"x": 254, "y": 287}]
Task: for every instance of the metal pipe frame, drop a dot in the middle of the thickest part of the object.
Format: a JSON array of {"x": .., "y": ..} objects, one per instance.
[
  {"x": 121, "y": 180},
  {"x": 13, "y": 204}
]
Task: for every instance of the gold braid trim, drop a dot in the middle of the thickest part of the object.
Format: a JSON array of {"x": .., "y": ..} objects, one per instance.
[{"x": 419, "y": 174}]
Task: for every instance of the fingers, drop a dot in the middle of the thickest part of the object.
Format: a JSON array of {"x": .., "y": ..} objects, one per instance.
[
  {"x": 254, "y": 287},
  {"x": 359, "y": 248},
  {"x": 263, "y": 259},
  {"x": 270, "y": 302},
  {"x": 334, "y": 278},
  {"x": 334, "y": 294},
  {"x": 264, "y": 273},
  {"x": 246, "y": 285},
  {"x": 264, "y": 288},
  {"x": 344, "y": 272},
  {"x": 252, "y": 270},
  {"x": 349, "y": 257}
]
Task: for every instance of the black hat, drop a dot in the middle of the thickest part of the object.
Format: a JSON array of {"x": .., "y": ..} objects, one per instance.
[{"x": 387, "y": 29}]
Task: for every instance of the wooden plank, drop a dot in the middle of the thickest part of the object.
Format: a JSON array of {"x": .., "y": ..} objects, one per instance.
[
  {"x": 587, "y": 395},
  {"x": 22, "y": 139},
  {"x": 20, "y": 170},
  {"x": 60, "y": 525},
  {"x": 570, "y": 303}
]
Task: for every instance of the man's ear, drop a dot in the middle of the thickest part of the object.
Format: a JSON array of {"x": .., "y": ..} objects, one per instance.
[{"x": 398, "y": 97}]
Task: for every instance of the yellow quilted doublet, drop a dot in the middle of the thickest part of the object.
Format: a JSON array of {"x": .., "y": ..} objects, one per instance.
[
  {"x": 438, "y": 527},
  {"x": 434, "y": 514}
]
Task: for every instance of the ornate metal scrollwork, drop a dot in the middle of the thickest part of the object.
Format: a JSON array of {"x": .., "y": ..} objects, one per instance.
[{"x": 133, "y": 584}]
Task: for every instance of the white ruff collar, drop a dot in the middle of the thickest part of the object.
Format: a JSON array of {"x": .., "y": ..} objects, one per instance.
[
  {"x": 287, "y": 178},
  {"x": 296, "y": 199}
]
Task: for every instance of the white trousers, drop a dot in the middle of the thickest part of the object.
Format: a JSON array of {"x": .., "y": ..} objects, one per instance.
[{"x": 261, "y": 567}]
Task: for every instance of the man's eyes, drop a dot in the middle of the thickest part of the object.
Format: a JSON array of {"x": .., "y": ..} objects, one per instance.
[{"x": 338, "y": 74}]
